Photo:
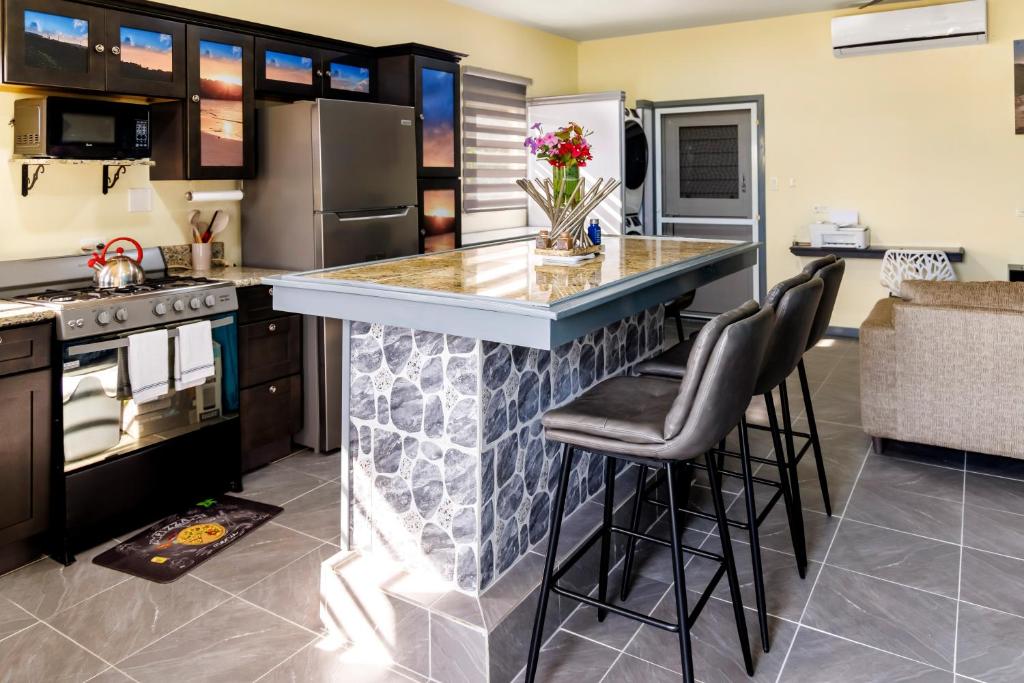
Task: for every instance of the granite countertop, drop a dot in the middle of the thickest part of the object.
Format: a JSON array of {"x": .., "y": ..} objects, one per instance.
[
  {"x": 12, "y": 314},
  {"x": 240, "y": 276},
  {"x": 511, "y": 272}
]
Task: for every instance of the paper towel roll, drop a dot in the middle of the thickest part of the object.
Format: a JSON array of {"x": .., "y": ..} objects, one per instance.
[{"x": 222, "y": 196}]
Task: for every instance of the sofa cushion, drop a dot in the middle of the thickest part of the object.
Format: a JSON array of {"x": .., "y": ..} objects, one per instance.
[{"x": 1004, "y": 296}]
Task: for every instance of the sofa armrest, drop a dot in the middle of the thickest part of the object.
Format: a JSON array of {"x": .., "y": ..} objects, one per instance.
[{"x": 878, "y": 372}]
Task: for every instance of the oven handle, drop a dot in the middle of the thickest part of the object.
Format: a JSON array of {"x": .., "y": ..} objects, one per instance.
[{"x": 123, "y": 341}]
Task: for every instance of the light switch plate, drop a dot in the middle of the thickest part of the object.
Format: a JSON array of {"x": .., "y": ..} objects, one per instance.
[{"x": 140, "y": 200}]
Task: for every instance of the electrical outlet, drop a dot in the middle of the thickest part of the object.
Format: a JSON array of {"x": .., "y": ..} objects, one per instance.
[
  {"x": 140, "y": 200},
  {"x": 773, "y": 184},
  {"x": 819, "y": 208},
  {"x": 90, "y": 244},
  {"x": 792, "y": 182},
  {"x": 1020, "y": 213}
]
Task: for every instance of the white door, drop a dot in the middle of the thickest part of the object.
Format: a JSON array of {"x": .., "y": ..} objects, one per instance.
[{"x": 707, "y": 187}]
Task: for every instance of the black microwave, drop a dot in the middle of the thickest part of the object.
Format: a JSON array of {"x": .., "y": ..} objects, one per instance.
[{"x": 73, "y": 128}]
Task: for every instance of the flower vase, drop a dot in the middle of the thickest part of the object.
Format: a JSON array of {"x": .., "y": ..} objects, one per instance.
[{"x": 569, "y": 190}]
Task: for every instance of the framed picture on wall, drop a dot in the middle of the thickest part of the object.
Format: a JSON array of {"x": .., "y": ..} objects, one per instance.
[{"x": 1018, "y": 85}]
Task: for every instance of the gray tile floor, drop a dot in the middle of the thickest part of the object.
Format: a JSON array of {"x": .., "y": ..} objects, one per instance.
[{"x": 918, "y": 576}]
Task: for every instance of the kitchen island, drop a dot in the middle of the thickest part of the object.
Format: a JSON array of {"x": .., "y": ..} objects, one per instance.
[{"x": 449, "y": 362}]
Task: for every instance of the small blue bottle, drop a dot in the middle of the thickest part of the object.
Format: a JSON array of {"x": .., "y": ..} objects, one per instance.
[{"x": 594, "y": 231}]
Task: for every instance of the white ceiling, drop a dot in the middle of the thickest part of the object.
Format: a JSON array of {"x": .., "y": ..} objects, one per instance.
[{"x": 590, "y": 19}]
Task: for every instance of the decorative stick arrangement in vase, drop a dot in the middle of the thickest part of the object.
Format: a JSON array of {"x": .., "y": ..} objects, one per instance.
[{"x": 565, "y": 198}]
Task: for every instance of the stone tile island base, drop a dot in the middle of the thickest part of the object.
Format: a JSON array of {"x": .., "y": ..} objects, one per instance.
[{"x": 450, "y": 482}]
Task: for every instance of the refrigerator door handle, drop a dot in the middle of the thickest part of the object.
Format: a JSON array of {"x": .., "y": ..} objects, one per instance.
[{"x": 368, "y": 217}]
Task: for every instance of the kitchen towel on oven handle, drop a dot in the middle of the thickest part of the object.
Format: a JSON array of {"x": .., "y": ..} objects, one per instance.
[
  {"x": 193, "y": 355},
  {"x": 147, "y": 365}
]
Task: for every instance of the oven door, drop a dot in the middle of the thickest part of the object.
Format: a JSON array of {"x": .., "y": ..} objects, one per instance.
[{"x": 99, "y": 418}]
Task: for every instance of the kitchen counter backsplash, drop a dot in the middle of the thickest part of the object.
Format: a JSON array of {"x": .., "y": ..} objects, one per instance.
[{"x": 180, "y": 255}]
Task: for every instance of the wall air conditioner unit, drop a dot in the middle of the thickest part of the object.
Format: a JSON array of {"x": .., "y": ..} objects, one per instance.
[{"x": 957, "y": 23}]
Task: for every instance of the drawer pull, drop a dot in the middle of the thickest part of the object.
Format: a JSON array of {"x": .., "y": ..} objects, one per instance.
[
  {"x": 272, "y": 327},
  {"x": 273, "y": 389}
]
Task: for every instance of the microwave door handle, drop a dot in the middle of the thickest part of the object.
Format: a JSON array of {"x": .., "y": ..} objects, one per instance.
[{"x": 371, "y": 217}]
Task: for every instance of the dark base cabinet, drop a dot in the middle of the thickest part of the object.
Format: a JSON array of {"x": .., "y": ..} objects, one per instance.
[
  {"x": 270, "y": 377},
  {"x": 26, "y": 423}
]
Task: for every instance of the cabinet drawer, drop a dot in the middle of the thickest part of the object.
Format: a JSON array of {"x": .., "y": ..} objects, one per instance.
[
  {"x": 256, "y": 303},
  {"x": 270, "y": 412},
  {"x": 24, "y": 348},
  {"x": 269, "y": 349}
]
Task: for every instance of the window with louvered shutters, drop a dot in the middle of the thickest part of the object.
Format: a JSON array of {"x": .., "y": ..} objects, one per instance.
[{"x": 493, "y": 128}]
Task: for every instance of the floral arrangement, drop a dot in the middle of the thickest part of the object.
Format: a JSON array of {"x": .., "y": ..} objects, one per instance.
[{"x": 565, "y": 148}]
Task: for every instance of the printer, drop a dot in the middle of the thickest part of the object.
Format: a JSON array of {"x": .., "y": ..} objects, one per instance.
[{"x": 842, "y": 230}]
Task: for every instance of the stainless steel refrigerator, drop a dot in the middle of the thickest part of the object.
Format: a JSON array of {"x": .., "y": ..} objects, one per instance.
[{"x": 336, "y": 185}]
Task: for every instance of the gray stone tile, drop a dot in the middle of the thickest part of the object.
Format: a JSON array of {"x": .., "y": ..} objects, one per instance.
[
  {"x": 234, "y": 642},
  {"x": 326, "y": 466},
  {"x": 994, "y": 530},
  {"x": 323, "y": 662},
  {"x": 818, "y": 657},
  {"x": 616, "y": 631},
  {"x": 133, "y": 614},
  {"x": 46, "y": 587},
  {"x": 255, "y": 556},
  {"x": 896, "y": 556},
  {"x": 13, "y": 618},
  {"x": 833, "y": 402},
  {"x": 458, "y": 653},
  {"x": 997, "y": 493},
  {"x": 111, "y": 675},
  {"x": 904, "y": 477},
  {"x": 895, "y": 618},
  {"x": 632, "y": 670},
  {"x": 774, "y": 532},
  {"x": 993, "y": 581},
  {"x": 294, "y": 592},
  {"x": 276, "y": 484},
  {"x": 989, "y": 645},
  {"x": 570, "y": 659},
  {"x": 41, "y": 654},
  {"x": 317, "y": 513},
  {"x": 714, "y": 643}
]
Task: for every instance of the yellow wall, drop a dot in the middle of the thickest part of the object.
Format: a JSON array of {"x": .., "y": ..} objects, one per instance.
[
  {"x": 66, "y": 205},
  {"x": 921, "y": 142}
]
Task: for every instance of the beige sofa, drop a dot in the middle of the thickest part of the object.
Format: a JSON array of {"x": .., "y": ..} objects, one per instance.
[{"x": 944, "y": 366}]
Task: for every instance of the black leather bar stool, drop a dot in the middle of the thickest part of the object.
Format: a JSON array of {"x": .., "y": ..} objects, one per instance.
[
  {"x": 795, "y": 302},
  {"x": 659, "y": 423}
]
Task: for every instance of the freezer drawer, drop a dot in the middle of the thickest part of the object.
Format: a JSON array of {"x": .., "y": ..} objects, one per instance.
[{"x": 367, "y": 236}]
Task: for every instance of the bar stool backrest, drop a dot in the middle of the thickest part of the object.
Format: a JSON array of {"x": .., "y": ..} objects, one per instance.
[
  {"x": 725, "y": 384},
  {"x": 831, "y": 275},
  {"x": 817, "y": 264},
  {"x": 795, "y": 302}
]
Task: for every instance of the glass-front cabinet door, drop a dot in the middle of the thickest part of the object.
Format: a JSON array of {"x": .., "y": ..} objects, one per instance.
[
  {"x": 54, "y": 43},
  {"x": 349, "y": 77},
  {"x": 436, "y": 85},
  {"x": 220, "y": 104},
  {"x": 146, "y": 56},
  {"x": 287, "y": 70},
  {"x": 440, "y": 215}
]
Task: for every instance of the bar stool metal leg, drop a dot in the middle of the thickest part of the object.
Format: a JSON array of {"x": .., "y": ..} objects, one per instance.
[
  {"x": 755, "y": 544},
  {"x": 795, "y": 531},
  {"x": 686, "y": 657},
  {"x": 794, "y": 477},
  {"x": 549, "y": 564},
  {"x": 638, "y": 502},
  {"x": 729, "y": 560},
  {"x": 606, "y": 534},
  {"x": 815, "y": 441}
]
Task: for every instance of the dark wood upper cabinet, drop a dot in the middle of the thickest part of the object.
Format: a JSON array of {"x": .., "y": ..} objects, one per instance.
[
  {"x": 54, "y": 43},
  {"x": 146, "y": 56},
  {"x": 287, "y": 70},
  {"x": 349, "y": 76},
  {"x": 210, "y": 134},
  {"x": 432, "y": 87}
]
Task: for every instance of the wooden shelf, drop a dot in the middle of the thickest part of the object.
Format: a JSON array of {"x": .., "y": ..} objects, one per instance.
[
  {"x": 40, "y": 164},
  {"x": 955, "y": 254}
]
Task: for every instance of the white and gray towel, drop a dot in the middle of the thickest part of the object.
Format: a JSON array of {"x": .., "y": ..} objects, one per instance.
[
  {"x": 193, "y": 355},
  {"x": 147, "y": 365}
]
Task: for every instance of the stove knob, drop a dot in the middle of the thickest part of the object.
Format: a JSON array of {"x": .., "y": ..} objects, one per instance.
[
  {"x": 179, "y": 305},
  {"x": 103, "y": 318},
  {"x": 160, "y": 309},
  {"x": 194, "y": 303},
  {"x": 209, "y": 301},
  {"x": 121, "y": 314}
]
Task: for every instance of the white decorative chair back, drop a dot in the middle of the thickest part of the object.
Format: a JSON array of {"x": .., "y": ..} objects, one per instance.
[{"x": 914, "y": 264}]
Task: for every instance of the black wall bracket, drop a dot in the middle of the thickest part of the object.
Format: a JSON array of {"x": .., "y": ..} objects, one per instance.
[
  {"x": 108, "y": 181},
  {"x": 27, "y": 184}
]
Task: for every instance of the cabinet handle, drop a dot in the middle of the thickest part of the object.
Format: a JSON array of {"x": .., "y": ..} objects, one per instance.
[
  {"x": 422, "y": 117},
  {"x": 319, "y": 73},
  {"x": 273, "y": 389},
  {"x": 99, "y": 47},
  {"x": 195, "y": 98},
  {"x": 115, "y": 49},
  {"x": 272, "y": 327}
]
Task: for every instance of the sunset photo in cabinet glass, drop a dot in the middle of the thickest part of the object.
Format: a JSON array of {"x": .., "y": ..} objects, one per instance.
[
  {"x": 350, "y": 77},
  {"x": 220, "y": 109},
  {"x": 146, "y": 54},
  {"x": 289, "y": 68},
  {"x": 438, "y": 220},
  {"x": 438, "y": 118},
  {"x": 53, "y": 41}
]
